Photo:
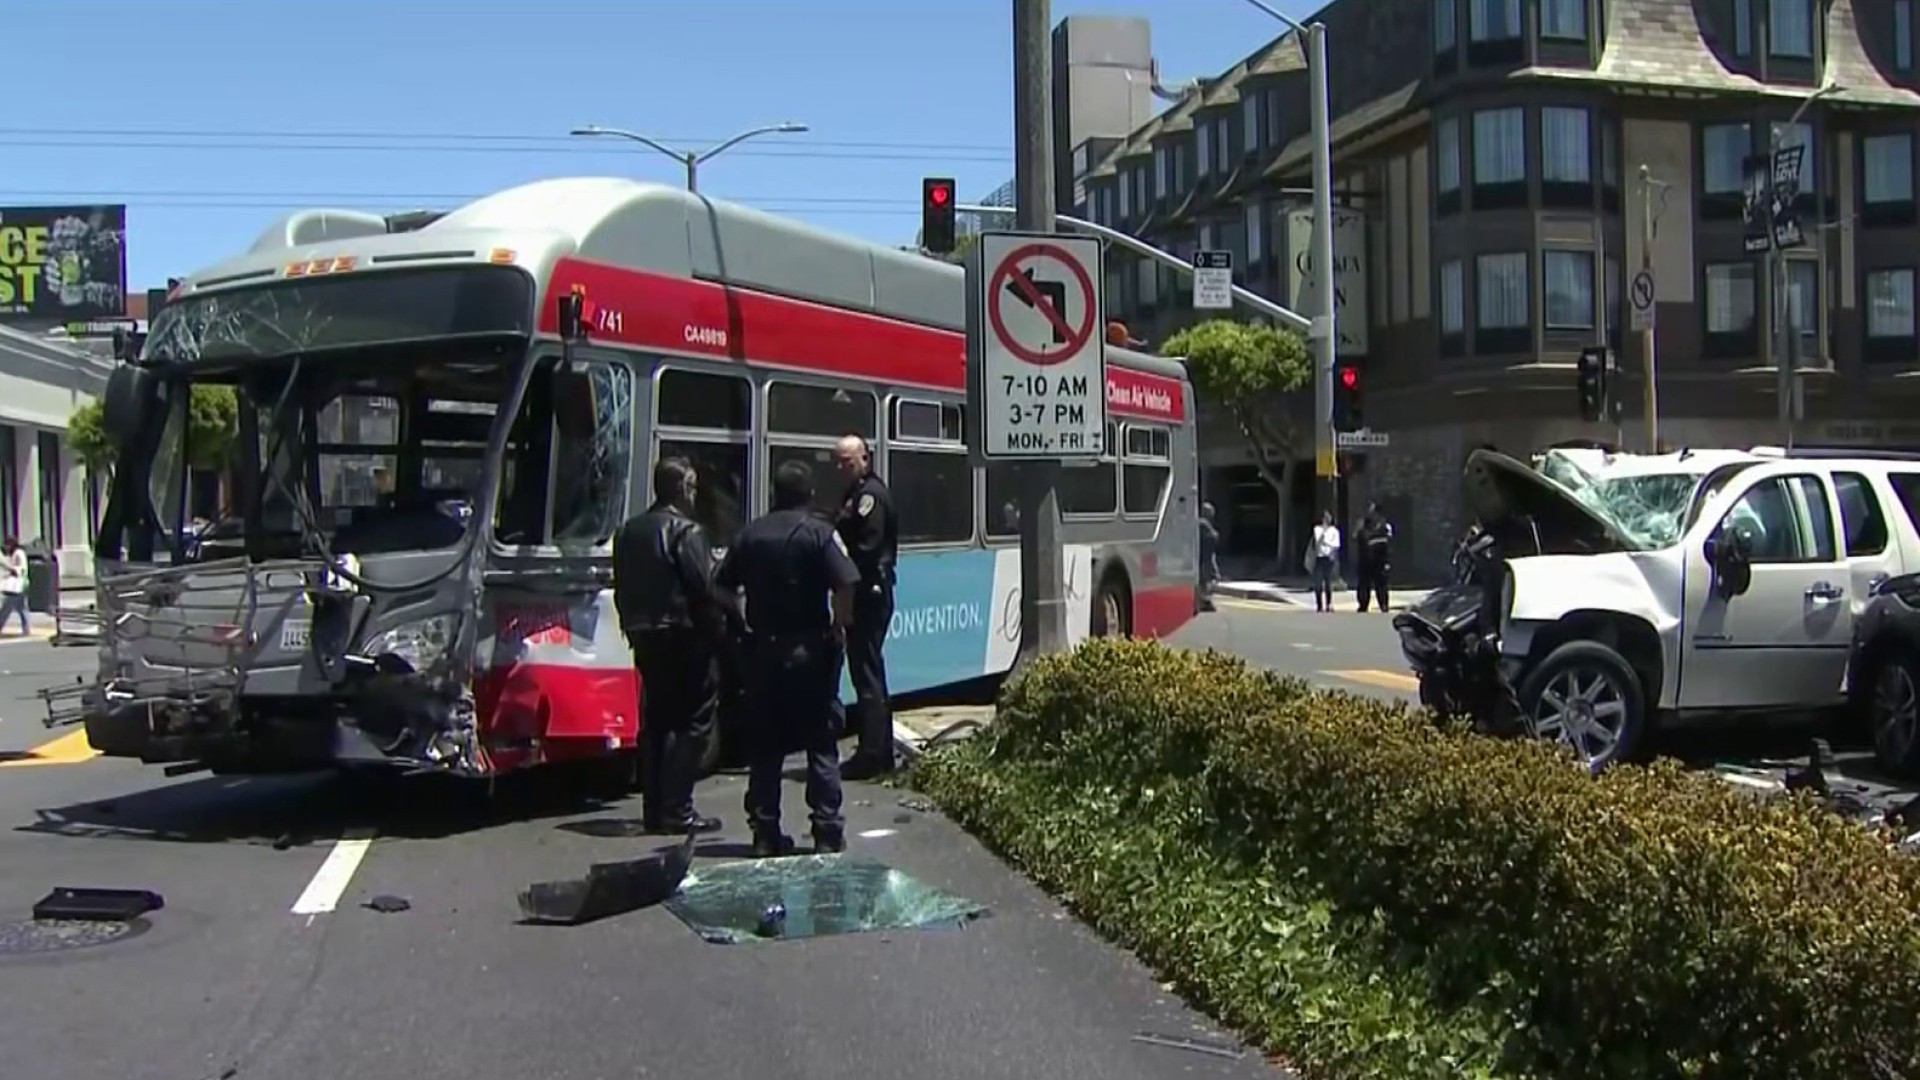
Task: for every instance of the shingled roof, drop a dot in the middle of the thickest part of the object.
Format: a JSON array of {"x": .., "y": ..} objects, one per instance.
[{"x": 1661, "y": 44}]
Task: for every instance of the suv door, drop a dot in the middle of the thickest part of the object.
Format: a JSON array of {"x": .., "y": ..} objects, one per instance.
[
  {"x": 1782, "y": 642},
  {"x": 1866, "y": 539}
]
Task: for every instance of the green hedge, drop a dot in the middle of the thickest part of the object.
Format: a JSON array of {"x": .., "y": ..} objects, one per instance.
[{"x": 1372, "y": 896}]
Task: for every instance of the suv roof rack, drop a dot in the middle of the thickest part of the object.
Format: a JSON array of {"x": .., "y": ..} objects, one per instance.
[{"x": 1828, "y": 452}]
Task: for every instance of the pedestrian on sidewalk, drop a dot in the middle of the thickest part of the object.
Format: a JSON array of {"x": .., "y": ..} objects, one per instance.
[
  {"x": 1323, "y": 556},
  {"x": 1209, "y": 556},
  {"x": 13, "y": 585},
  {"x": 1374, "y": 560}
]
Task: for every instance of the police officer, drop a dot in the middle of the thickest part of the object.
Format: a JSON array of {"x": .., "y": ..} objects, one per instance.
[
  {"x": 799, "y": 587},
  {"x": 872, "y": 535},
  {"x": 662, "y": 588}
]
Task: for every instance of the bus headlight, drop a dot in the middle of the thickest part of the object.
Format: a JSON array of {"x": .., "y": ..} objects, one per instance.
[{"x": 420, "y": 643}]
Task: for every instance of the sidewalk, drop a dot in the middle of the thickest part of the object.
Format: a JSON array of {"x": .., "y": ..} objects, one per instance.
[{"x": 1299, "y": 593}]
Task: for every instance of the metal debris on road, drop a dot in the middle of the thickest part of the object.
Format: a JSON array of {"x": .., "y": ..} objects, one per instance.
[
  {"x": 612, "y": 888},
  {"x": 389, "y": 905},
  {"x": 1198, "y": 1046},
  {"x": 816, "y": 896},
  {"x": 97, "y": 905}
]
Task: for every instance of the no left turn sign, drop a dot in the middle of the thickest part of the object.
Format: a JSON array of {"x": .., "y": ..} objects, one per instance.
[{"x": 1040, "y": 379}]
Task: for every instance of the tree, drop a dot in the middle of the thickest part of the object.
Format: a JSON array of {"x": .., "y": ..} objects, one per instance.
[
  {"x": 1254, "y": 373},
  {"x": 214, "y": 412}
]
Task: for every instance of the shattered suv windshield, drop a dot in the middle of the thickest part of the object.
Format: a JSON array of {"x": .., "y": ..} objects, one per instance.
[{"x": 1651, "y": 508}]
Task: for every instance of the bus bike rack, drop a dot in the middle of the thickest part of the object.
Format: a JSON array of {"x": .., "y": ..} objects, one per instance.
[{"x": 193, "y": 625}]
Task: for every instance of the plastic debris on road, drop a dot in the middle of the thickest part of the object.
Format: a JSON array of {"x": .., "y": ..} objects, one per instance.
[
  {"x": 811, "y": 896},
  {"x": 612, "y": 888}
]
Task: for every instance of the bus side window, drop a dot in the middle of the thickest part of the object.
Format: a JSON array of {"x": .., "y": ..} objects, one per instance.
[
  {"x": 707, "y": 418},
  {"x": 1084, "y": 491},
  {"x": 804, "y": 422},
  {"x": 928, "y": 472},
  {"x": 569, "y": 457},
  {"x": 1147, "y": 468}
]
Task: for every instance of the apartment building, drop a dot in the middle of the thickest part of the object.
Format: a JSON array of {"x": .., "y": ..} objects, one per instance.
[{"x": 1489, "y": 159}]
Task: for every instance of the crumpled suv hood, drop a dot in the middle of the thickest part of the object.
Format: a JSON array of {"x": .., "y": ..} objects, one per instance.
[{"x": 1529, "y": 513}]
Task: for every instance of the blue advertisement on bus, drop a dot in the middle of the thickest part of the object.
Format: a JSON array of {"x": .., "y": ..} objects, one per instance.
[{"x": 956, "y": 615}]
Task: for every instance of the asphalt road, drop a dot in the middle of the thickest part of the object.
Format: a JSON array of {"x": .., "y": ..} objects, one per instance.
[{"x": 265, "y": 963}]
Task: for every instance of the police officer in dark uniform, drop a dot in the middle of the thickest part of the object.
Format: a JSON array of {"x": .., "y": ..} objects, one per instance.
[
  {"x": 663, "y": 590},
  {"x": 872, "y": 534},
  {"x": 799, "y": 587}
]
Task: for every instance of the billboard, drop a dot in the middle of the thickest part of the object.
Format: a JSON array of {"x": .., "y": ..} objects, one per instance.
[
  {"x": 1349, "y": 274},
  {"x": 60, "y": 264}
]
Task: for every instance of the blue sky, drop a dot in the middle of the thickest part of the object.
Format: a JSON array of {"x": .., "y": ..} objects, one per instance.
[{"x": 209, "y": 118}]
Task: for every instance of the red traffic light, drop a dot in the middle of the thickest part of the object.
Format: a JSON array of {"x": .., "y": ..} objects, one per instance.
[
  {"x": 939, "y": 194},
  {"x": 1349, "y": 377}
]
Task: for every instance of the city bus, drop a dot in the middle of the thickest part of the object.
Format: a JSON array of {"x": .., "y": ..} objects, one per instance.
[{"x": 444, "y": 417}]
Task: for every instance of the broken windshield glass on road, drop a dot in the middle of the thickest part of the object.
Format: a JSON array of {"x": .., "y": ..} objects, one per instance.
[{"x": 811, "y": 896}]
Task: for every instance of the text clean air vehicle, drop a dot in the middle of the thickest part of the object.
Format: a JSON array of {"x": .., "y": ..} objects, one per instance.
[{"x": 437, "y": 441}]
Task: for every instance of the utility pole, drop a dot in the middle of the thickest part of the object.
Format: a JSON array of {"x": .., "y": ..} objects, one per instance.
[
  {"x": 1043, "y": 603},
  {"x": 1651, "y": 392},
  {"x": 1325, "y": 340}
]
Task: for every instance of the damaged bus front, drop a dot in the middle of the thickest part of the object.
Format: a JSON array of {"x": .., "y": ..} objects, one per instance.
[{"x": 325, "y": 607}]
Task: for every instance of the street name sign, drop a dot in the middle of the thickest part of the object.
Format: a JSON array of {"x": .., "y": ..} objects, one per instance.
[{"x": 1036, "y": 345}]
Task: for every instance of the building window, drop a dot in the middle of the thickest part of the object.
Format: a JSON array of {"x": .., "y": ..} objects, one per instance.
[
  {"x": 1222, "y": 142},
  {"x": 1453, "y": 302},
  {"x": 1163, "y": 171},
  {"x": 1446, "y": 31},
  {"x": 1493, "y": 20},
  {"x": 1790, "y": 29},
  {"x": 1446, "y": 165},
  {"x": 1206, "y": 237},
  {"x": 1273, "y": 118},
  {"x": 1743, "y": 28},
  {"x": 1890, "y": 303},
  {"x": 1126, "y": 200},
  {"x": 1499, "y": 158},
  {"x": 1724, "y": 150},
  {"x": 1803, "y": 304},
  {"x": 1148, "y": 276},
  {"x": 1500, "y": 303},
  {"x": 1203, "y": 136},
  {"x": 1903, "y": 34},
  {"x": 1568, "y": 280},
  {"x": 1730, "y": 317},
  {"x": 1256, "y": 238},
  {"x": 52, "y": 491},
  {"x": 1566, "y": 157},
  {"x": 1250, "y": 123},
  {"x": 1563, "y": 20},
  {"x": 1611, "y": 311},
  {"x": 1886, "y": 180}
]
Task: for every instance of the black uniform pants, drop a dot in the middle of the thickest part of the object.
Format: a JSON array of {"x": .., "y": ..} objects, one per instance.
[
  {"x": 679, "y": 691},
  {"x": 793, "y": 704},
  {"x": 1372, "y": 580},
  {"x": 867, "y": 670}
]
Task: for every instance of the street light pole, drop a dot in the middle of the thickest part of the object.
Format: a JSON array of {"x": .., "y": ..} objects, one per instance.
[
  {"x": 691, "y": 160},
  {"x": 1783, "y": 333},
  {"x": 1321, "y": 335}
]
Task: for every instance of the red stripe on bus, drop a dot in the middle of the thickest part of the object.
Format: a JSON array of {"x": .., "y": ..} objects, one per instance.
[
  {"x": 660, "y": 311},
  {"x": 1158, "y": 612}
]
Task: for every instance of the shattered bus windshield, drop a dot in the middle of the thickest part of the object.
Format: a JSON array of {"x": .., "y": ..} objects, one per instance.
[
  {"x": 371, "y": 396},
  {"x": 371, "y": 451}
]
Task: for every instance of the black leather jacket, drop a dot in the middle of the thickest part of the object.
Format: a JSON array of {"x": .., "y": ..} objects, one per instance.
[{"x": 663, "y": 573}]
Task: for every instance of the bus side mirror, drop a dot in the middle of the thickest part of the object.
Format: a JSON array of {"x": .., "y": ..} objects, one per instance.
[{"x": 571, "y": 328}]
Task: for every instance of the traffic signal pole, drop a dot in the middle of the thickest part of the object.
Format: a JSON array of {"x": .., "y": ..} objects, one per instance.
[{"x": 1043, "y": 605}]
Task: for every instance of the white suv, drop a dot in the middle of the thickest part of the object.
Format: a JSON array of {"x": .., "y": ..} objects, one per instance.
[{"x": 1657, "y": 587}]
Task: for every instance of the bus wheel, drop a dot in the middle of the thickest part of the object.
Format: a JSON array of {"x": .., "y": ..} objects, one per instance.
[{"x": 1111, "y": 610}]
